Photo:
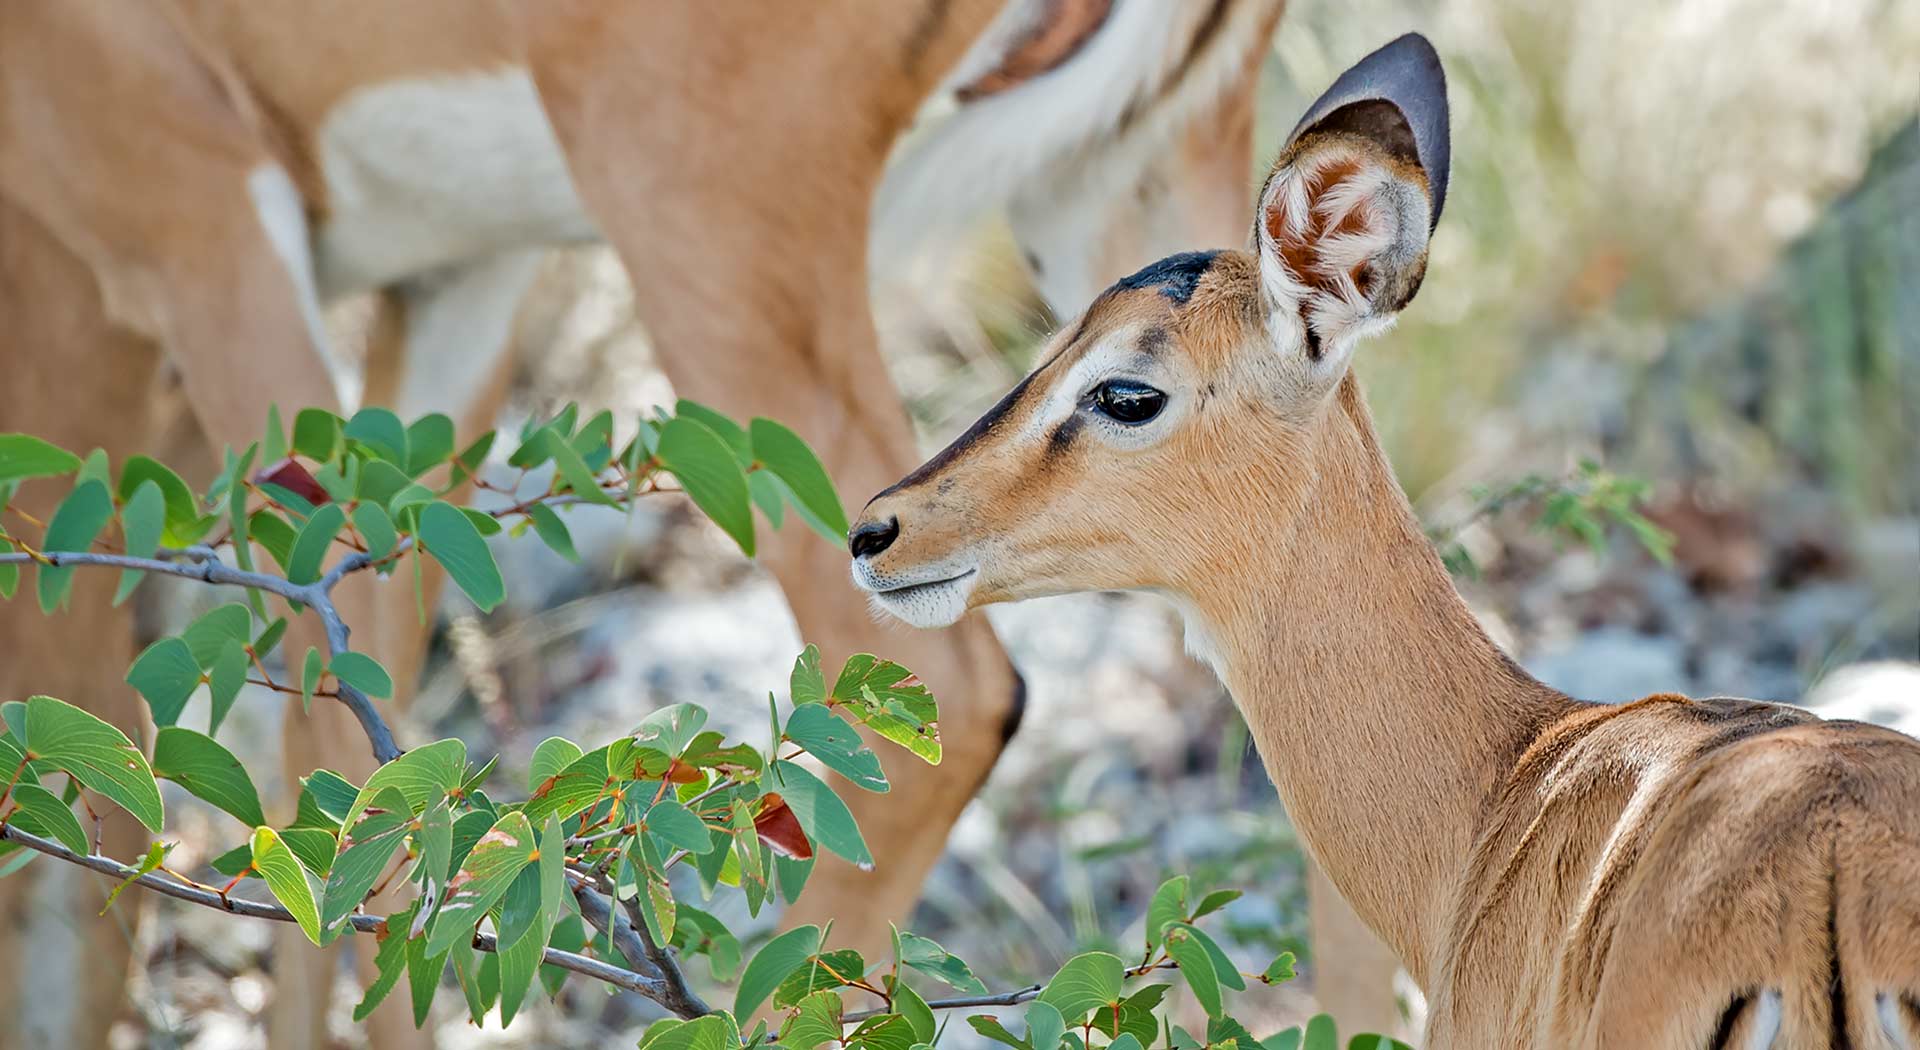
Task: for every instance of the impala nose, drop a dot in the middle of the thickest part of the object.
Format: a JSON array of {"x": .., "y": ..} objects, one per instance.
[{"x": 872, "y": 537}]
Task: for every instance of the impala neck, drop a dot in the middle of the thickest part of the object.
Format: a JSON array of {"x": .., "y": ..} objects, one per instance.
[{"x": 1385, "y": 716}]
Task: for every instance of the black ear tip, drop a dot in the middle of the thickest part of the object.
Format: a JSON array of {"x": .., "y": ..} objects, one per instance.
[{"x": 1407, "y": 73}]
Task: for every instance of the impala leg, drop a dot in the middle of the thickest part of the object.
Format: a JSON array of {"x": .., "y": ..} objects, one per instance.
[
  {"x": 439, "y": 346},
  {"x": 824, "y": 377},
  {"x": 68, "y": 376}
]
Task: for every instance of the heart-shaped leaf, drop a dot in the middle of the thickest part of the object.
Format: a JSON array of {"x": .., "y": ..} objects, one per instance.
[
  {"x": 199, "y": 764},
  {"x": 96, "y": 754}
]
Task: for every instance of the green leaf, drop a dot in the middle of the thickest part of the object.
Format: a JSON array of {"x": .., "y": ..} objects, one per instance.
[
  {"x": 712, "y": 1032},
  {"x": 310, "y": 547},
  {"x": 1370, "y": 1041},
  {"x": 75, "y": 523},
  {"x": 833, "y": 969},
  {"x": 363, "y": 855},
  {"x": 1215, "y": 901},
  {"x": 362, "y": 672},
  {"x": 287, "y": 879},
  {"x": 769, "y": 495},
  {"x": 772, "y": 964},
  {"x": 423, "y": 776},
  {"x": 789, "y": 458},
  {"x": 908, "y": 1004},
  {"x": 712, "y": 477},
  {"x": 429, "y": 443},
  {"x": 390, "y": 960},
  {"x": 316, "y": 434},
  {"x": 927, "y": 956},
  {"x": 456, "y": 544},
  {"x": 823, "y": 816},
  {"x": 208, "y": 771},
  {"x": 1045, "y": 1026},
  {"x": 166, "y": 674},
  {"x": 886, "y": 1032},
  {"x": 1224, "y": 1029},
  {"x": 732, "y": 434},
  {"x": 423, "y": 977},
  {"x": 815, "y": 1021},
  {"x": 1321, "y": 1034},
  {"x": 1280, "y": 969},
  {"x": 41, "y": 812},
  {"x": 96, "y": 754},
  {"x": 155, "y": 854},
  {"x": 381, "y": 431},
  {"x": 184, "y": 525},
  {"x": 435, "y": 843},
  {"x": 144, "y": 519},
  {"x": 574, "y": 471},
  {"x": 310, "y": 669},
  {"x": 522, "y": 913},
  {"x": 328, "y": 797},
  {"x": 313, "y": 847},
  {"x": 1223, "y": 967},
  {"x": 1196, "y": 965},
  {"x": 490, "y": 867},
  {"x": 552, "y": 531},
  {"x": 519, "y": 962},
  {"x": 374, "y": 526},
  {"x": 26, "y": 456},
  {"x": 829, "y": 738},
  {"x": 209, "y": 635},
  {"x": 990, "y": 1026},
  {"x": 1135, "y": 1016},
  {"x": 1167, "y": 907},
  {"x": 807, "y": 684},
  {"x": 273, "y": 534},
  {"x": 676, "y": 827},
  {"x": 550, "y": 758},
  {"x": 1087, "y": 980}
]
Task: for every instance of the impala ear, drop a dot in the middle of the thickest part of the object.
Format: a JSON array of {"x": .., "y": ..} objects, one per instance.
[{"x": 1346, "y": 212}]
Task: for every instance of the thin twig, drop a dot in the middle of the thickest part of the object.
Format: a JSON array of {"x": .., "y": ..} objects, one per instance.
[
  {"x": 193, "y": 564},
  {"x": 580, "y": 964}
]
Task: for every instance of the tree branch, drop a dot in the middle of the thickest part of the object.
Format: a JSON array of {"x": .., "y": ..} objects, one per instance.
[
  {"x": 680, "y": 999},
  {"x": 200, "y": 564},
  {"x": 641, "y": 984}
]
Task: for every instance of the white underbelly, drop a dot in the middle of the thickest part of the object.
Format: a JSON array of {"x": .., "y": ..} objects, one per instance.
[{"x": 425, "y": 173}]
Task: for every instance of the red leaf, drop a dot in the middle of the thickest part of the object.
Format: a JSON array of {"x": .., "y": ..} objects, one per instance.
[
  {"x": 289, "y": 474},
  {"x": 780, "y": 829}
]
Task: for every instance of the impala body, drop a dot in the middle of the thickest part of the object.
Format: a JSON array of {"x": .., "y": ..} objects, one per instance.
[{"x": 1666, "y": 874}]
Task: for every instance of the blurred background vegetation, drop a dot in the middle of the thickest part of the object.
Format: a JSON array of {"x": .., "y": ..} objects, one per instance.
[{"x": 1682, "y": 239}]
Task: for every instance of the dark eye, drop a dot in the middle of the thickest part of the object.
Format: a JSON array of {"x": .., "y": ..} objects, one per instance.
[{"x": 1128, "y": 402}]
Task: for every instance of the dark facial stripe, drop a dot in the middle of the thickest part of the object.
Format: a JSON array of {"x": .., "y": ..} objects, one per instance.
[
  {"x": 980, "y": 428},
  {"x": 1175, "y": 276},
  {"x": 1063, "y": 434}
]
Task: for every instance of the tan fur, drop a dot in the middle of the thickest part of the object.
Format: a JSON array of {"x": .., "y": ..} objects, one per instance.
[
  {"x": 1552, "y": 873},
  {"x": 738, "y": 207}
]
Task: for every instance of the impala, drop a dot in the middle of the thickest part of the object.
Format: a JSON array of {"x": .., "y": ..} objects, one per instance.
[
  {"x": 185, "y": 185},
  {"x": 1670, "y": 873}
]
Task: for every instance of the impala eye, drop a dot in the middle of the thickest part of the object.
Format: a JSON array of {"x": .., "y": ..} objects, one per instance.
[{"x": 1128, "y": 402}]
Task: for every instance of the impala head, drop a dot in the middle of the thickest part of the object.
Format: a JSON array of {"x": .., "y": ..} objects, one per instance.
[{"x": 1173, "y": 432}]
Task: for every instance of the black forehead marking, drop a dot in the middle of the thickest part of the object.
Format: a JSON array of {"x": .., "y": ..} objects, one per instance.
[{"x": 1175, "y": 276}]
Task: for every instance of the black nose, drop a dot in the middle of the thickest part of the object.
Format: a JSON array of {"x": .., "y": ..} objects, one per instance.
[{"x": 873, "y": 537}]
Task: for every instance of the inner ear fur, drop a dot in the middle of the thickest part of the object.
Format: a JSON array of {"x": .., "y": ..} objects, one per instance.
[{"x": 1344, "y": 221}]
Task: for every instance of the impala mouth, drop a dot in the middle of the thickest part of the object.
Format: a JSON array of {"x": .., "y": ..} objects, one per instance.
[{"x": 923, "y": 603}]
